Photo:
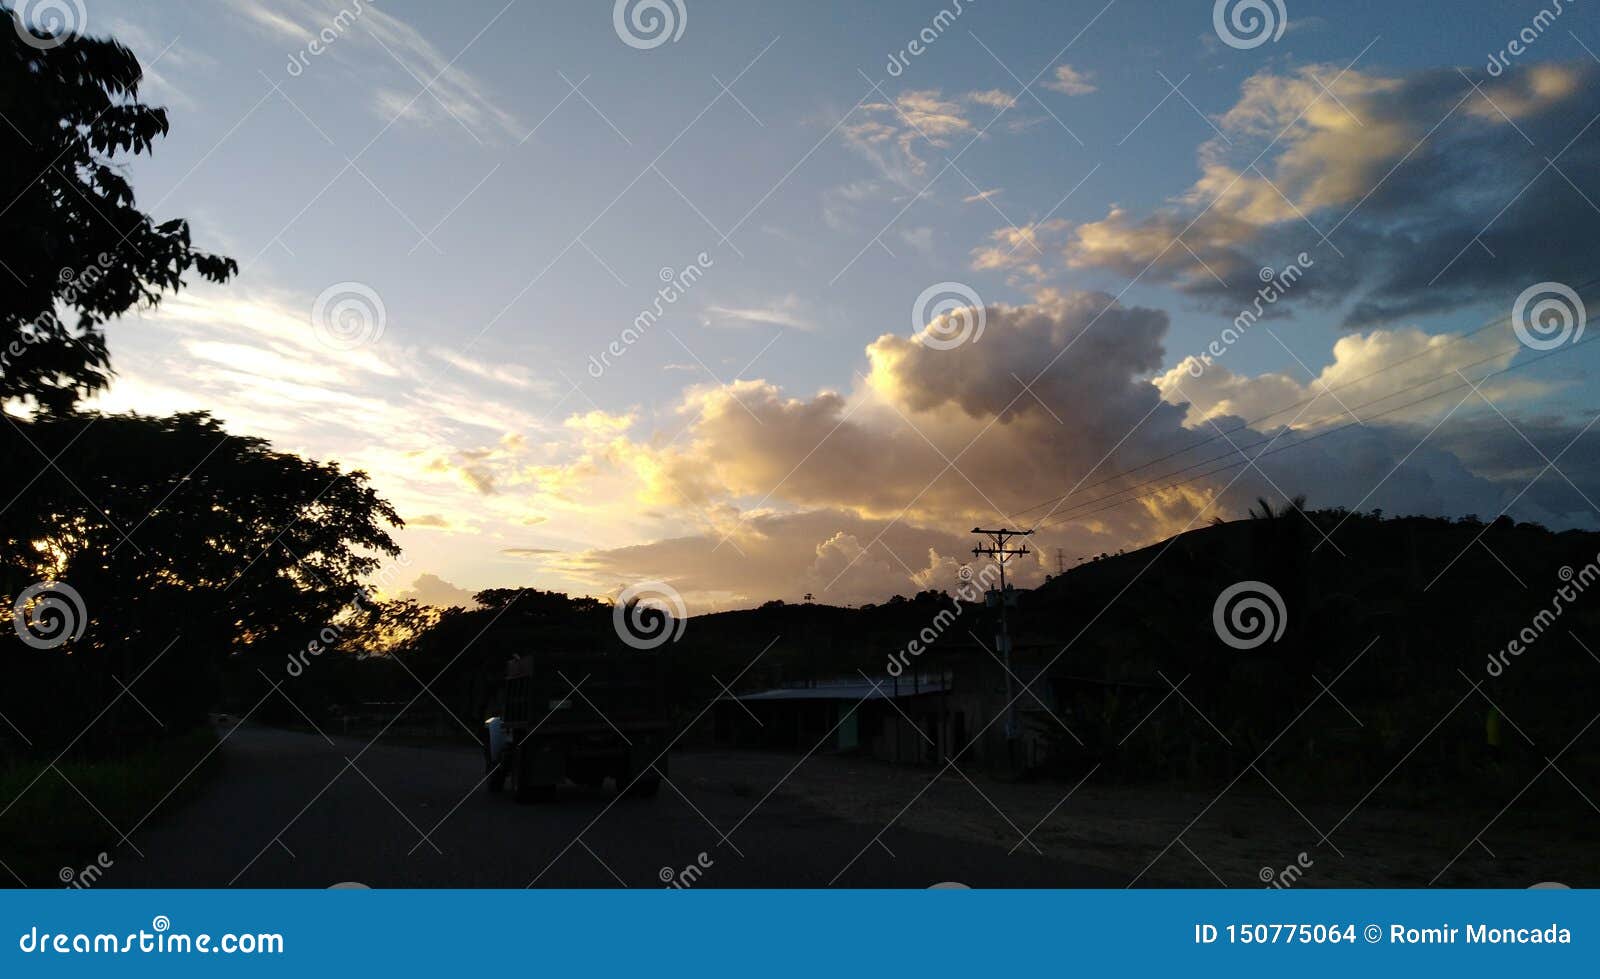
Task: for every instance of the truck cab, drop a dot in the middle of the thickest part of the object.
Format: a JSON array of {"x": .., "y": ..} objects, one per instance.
[{"x": 582, "y": 717}]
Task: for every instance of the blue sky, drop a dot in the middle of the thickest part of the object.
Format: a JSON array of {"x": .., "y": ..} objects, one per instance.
[{"x": 511, "y": 180}]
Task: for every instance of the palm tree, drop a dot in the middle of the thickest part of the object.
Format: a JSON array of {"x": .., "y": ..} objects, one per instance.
[{"x": 1263, "y": 508}]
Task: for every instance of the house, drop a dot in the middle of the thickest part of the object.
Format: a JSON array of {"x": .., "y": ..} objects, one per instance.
[{"x": 925, "y": 715}]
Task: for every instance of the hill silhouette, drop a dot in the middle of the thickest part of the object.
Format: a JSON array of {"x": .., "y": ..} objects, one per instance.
[{"x": 1380, "y": 675}]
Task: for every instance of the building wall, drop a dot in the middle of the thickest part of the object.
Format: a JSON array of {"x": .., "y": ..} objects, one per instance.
[{"x": 924, "y": 728}]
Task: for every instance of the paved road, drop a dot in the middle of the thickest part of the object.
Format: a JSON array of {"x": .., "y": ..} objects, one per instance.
[{"x": 289, "y": 810}]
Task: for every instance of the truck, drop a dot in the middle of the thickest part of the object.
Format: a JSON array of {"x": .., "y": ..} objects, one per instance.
[{"x": 582, "y": 717}]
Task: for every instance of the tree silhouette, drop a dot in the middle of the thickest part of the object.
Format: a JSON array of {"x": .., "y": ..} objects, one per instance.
[
  {"x": 1263, "y": 509},
  {"x": 74, "y": 237},
  {"x": 189, "y": 547}
]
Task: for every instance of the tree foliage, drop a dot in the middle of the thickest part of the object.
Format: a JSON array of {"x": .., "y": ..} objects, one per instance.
[
  {"x": 187, "y": 544},
  {"x": 75, "y": 240}
]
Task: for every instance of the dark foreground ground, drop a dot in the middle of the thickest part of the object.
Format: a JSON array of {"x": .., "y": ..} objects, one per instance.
[{"x": 292, "y": 810}]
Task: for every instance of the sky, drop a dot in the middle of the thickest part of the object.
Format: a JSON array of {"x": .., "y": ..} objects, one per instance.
[{"x": 765, "y": 301}]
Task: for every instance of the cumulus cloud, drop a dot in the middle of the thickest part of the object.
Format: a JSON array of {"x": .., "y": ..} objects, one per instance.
[
  {"x": 855, "y": 495},
  {"x": 1382, "y": 372},
  {"x": 993, "y": 98},
  {"x": 1438, "y": 194},
  {"x": 860, "y": 493},
  {"x": 430, "y": 589},
  {"x": 1070, "y": 81},
  {"x": 1025, "y": 252},
  {"x": 897, "y": 135}
]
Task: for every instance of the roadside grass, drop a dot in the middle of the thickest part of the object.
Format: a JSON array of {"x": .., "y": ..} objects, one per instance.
[{"x": 59, "y": 824}]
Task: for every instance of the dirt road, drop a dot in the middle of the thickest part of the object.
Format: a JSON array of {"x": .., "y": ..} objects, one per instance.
[{"x": 298, "y": 810}]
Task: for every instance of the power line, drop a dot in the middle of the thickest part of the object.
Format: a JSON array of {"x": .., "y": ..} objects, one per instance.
[{"x": 1001, "y": 553}]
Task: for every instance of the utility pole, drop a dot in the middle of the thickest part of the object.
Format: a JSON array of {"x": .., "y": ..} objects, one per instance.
[
  {"x": 1001, "y": 554},
  {"x": 1061, "y": 561}
]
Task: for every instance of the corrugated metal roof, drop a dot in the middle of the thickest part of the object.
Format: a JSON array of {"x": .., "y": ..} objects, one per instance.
[{"x": 886, "y": 688}]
